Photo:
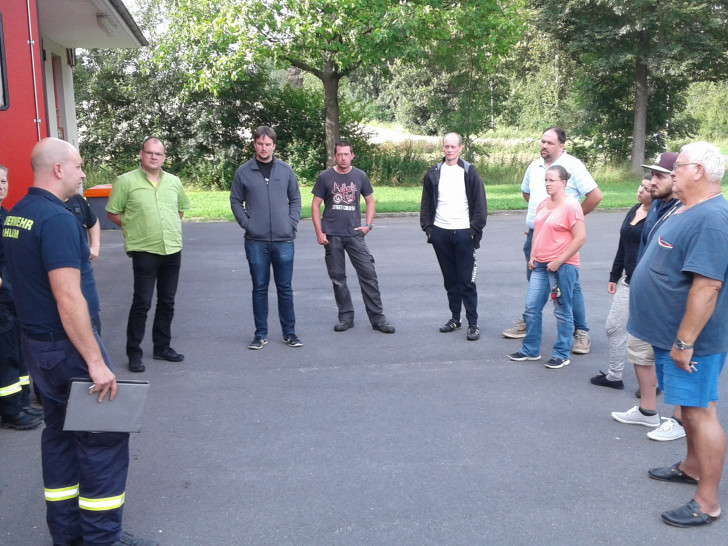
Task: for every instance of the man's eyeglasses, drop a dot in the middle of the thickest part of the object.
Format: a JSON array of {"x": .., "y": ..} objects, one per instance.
[
  {"x": 677, "y": 165},
  {"x": 153, "y": 154}
]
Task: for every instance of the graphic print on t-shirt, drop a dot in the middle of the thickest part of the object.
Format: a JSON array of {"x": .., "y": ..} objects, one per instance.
[{"x": 344, "y": 195}]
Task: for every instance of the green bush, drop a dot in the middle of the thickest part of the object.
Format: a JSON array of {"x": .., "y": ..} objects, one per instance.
[
  {"x": 395, "y": 165},
  {"x": 209, "y": 174}
]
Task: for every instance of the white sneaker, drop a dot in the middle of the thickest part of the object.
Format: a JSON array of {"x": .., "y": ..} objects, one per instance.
[
  {"x": 635, "y": 417},
  {"x": 581, "y": 344},
  {"x": 670, "y": 429},
  {"x": 517, "y": 331}
]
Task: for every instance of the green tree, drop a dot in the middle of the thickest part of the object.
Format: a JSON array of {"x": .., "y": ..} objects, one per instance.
[
  {"x": 124, "y": 96},
  {"x": 535, "y": 81},
  {"x": 630, "y": 53},
  {"x": 706, "y": 102},
  {"x": 331, "y": 39},
  {"x": 443, "y": 95}
]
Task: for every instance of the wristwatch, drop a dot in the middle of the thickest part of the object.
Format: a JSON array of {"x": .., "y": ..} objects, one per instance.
[
  {"x": 370, "y": 226},
  {"x": 681, "y": 345}
]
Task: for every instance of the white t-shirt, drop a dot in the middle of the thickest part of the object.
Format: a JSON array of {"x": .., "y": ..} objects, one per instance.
[
  {"x": 534, "y": 182},
  {"x": 452, "y": 211}
]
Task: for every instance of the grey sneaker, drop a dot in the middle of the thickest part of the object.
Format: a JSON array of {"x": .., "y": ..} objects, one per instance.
[
  {"x": 292, "y": 341},
  {"x": 634, "y": 416},
  {"x": 670, "y": 429},
  {"x": 555, "y": 363},
  {"x": 517, "y": 331},
  {"x": 581, "y": 345},
  {"x": 257, "y": 343},
  {"x": 473, "y": 333}
]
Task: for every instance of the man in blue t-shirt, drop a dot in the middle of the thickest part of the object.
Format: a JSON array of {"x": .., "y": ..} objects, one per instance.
[
  {"x": 340, "y": 231},
  {"x": 679, "y": 304},
  {"x": 47, "y": 261}
]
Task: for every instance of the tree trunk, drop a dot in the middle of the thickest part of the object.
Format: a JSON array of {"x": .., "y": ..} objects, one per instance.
[
  {"x": 331, "y": 101},
  {"x": 640, "y": 116}
]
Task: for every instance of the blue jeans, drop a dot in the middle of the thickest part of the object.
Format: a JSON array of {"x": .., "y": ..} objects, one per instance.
[
  {"x": 578, "y": 298},
  {"x": 261, "y": 256},
  {"x": 539, "y": 289}
]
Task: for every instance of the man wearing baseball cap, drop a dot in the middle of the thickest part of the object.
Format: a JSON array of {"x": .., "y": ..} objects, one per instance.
[{"x": 639, "y": 352}]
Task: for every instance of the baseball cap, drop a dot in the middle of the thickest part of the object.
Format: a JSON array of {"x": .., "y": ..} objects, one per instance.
[{"x": 664, "y": 163}]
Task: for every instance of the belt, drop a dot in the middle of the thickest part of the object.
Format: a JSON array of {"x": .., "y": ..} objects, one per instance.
[{"x": 50, "y": 336}]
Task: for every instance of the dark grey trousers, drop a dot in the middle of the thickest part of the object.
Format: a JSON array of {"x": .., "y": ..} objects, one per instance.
[{"x": 363, "y": 263}]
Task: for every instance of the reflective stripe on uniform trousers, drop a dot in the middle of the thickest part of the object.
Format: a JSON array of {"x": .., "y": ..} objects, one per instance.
[
  {"x": 63, "y": 493},
  {"x": 24, "y": 380},
  {"x": 108, "y": 503},
  {"x": 10, "y": 389}
]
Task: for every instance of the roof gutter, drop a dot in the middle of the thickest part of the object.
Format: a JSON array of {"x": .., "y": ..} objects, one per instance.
[{"x": 129, "y": 20}]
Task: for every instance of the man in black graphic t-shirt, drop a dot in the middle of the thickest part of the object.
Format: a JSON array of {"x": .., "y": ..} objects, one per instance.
[{"x": 340, "y": 231}]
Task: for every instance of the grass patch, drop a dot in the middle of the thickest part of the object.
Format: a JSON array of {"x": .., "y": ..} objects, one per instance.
[
  {"x": 215, "y": 205},
  {"x": 396, "y": 171}
]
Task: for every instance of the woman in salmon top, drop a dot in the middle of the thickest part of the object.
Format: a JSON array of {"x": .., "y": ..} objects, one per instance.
[{"x": 558, "y": 235}]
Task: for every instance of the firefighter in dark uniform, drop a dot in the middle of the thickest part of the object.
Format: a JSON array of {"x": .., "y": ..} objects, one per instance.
[
  {"x": 47, "y": 262},
  {"x": 15, "y": 410}
]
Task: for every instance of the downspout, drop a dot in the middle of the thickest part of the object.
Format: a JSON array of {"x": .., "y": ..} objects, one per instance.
[{"x": 31, "y": 43}]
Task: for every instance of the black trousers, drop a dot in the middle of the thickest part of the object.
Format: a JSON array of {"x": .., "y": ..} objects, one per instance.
[
  {"x": 456, "y": 255},
  {"x": 14, "y": 379},
  {"x": 150, "y": 270},
  {"x": 84, "y": 473}
]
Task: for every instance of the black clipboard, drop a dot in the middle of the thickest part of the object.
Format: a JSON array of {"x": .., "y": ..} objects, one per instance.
[{"x": 123, "y": 414}]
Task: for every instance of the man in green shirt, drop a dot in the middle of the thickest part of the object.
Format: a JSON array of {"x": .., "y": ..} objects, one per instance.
[{"x": 148, "y": 204}]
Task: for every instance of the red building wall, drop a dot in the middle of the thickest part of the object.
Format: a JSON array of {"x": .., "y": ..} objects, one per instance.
[{"x": 18, "y": 130}]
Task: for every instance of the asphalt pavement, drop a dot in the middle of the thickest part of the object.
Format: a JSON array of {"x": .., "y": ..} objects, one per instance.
[{"x": 367, "y": 438}]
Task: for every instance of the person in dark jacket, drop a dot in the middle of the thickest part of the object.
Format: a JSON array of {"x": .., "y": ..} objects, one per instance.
[
  {"x": 15, "y": 409},
  {"x": 266, "y": 202},
  {"x": 453, "y": 213},
  {"x": 625, "y": 261}
]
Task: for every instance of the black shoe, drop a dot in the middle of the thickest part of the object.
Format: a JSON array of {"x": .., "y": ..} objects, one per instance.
[
  {"x": 384, "y": 327},
  {"x": 638, "y": 394},
  {"x": 21, "y": 421},
  {"x": 671, "y": 474},
  {"x": 518, "y": 356},
  {"x": 451, "y": 326},
  {"x": 35, "y": 412},
  {"x": 555, "y": 363},
  {"x": 257, "y": 343},
  {"x": 602, "y": 381},
  {"x": 136, "y": 365},
  {"x": 473, "y": 333},
  {"x": 170, "y": 355},
  {"x": 130, "y": 540},
  {"x": 343, "y": 326},
  {"x": 292, "y": 341},
  {"x": 688, "y": 516}
]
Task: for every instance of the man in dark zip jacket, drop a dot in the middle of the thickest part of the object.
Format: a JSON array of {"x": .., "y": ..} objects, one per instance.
[
  {"x": 266, "y": 202},
  {"x": 453, "y": 213}
]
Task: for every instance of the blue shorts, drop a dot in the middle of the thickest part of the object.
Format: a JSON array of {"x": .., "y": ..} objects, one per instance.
[{"x": 695, "y": 390}]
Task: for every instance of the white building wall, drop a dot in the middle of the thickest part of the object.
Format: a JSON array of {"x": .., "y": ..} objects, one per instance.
[{"x": 64, "y": 91}]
